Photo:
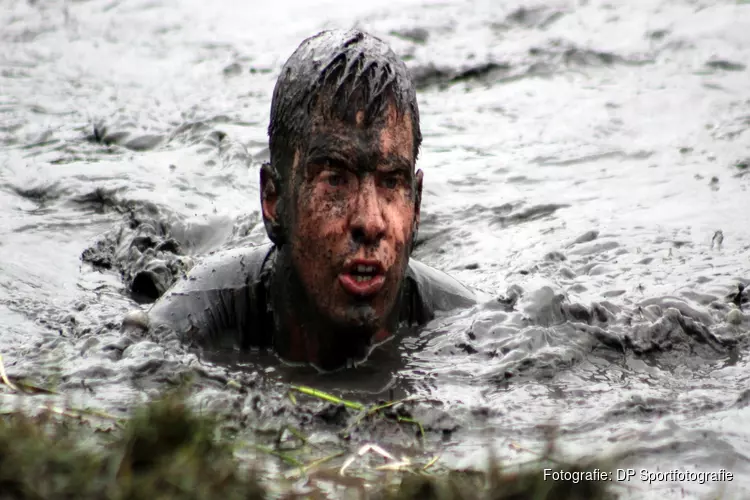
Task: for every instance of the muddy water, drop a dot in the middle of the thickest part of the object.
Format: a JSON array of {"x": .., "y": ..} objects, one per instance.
[{"x": 586, "y": 165}]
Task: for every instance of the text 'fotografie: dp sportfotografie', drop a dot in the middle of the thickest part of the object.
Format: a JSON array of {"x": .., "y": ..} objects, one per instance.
[{"x": 674, "y": 475}]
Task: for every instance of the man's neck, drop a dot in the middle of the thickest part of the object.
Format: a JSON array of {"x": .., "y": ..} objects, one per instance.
[
  {"x": 301, "y": 336},
  {"x": 322, "y": 349}
]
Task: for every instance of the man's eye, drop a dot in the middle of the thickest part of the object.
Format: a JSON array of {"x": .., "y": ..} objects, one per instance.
[
  {"x": 391, "y": 182},
  {"x": 335, "y": 180}
]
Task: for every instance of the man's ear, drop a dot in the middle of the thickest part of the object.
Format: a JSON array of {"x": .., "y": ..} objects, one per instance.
[
  {"x": 418, "y": 196},
  {"x": 417, "y": 207},
  {"x": 270, "y": 201}
]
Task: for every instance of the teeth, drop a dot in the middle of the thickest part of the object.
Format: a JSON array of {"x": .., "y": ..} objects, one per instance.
[
  {"x": 362, "y": 278},
  {"x": 365, "y": 269}
]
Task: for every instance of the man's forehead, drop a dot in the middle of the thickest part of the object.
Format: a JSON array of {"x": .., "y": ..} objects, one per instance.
[{"x": 392, "y": 131}]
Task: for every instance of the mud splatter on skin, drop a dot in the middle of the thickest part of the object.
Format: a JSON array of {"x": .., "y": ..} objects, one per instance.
[{"x": 378, "y": 180}]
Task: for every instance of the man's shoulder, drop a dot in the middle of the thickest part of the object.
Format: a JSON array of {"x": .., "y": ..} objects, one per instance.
[
  {"x": 216, "y": 297},
  {"x": 225, "y": 269},
  {"x": 439, "y": 291}
]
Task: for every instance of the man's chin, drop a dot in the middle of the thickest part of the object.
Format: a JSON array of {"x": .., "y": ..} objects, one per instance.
[{"x": 361, "y": 317}]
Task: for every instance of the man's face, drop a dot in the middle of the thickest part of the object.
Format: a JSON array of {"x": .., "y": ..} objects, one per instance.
[{"x": 355, "y": 207}]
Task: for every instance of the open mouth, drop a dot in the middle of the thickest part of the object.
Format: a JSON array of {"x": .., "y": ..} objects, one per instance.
[{"x": 362, "y": 277}]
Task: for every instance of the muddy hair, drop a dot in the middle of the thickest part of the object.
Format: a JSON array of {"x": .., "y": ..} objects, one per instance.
[{"x": 333, "y": 75}]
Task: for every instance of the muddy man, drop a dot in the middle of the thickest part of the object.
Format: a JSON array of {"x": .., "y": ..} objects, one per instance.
[{"x": 341, "y": 205}]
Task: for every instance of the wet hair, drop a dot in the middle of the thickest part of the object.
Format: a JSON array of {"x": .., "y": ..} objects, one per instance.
[{"x": 337, "y": 73}]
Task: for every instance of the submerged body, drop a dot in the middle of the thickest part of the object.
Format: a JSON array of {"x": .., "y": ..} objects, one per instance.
[{"x": 225, "y": 302}]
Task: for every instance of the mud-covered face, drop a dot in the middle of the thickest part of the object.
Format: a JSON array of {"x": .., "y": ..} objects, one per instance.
[{"x": 355, "y": 199}]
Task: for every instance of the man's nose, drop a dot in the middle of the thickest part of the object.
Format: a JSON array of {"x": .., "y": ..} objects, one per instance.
[{"x": 367, "y": 222}]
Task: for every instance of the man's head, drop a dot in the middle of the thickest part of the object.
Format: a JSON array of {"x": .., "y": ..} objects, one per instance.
[{"x": 341, "y": 196}]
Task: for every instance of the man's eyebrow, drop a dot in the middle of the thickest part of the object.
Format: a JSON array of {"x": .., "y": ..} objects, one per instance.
[
  {"x": 327, "y": 159},
  {"x": 397, "y": 163},
  {"x": 324, "y": 152}
]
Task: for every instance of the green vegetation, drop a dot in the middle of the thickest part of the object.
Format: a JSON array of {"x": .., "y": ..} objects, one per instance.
[{"x": 165, "y": 450}]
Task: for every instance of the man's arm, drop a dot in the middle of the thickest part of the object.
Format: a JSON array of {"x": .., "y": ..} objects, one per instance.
[{"x": 216, "y": 303}]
